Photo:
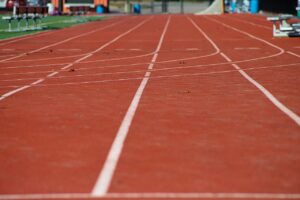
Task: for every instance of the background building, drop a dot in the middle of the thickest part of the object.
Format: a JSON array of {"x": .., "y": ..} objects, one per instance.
[
  {"x": 64, "y": 5},
  {"x": 60, "y": 5}
]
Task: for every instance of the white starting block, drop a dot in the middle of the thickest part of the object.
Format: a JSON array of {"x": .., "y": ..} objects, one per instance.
[{"x": 284, "y": 29}]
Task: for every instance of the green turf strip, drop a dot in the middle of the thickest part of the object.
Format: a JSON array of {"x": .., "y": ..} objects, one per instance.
[{"x": 49, "y": 23}]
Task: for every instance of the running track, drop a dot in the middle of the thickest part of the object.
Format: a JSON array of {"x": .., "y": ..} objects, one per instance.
[{"x": 151, "y": 107}]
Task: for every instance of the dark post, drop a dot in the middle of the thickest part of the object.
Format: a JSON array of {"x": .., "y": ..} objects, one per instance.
[
  {"x": 164, "y": 5},
  {"x": 181, "y": 6},
  {"x": 61, "y": 6},
  {"x": 152, "y": 6}
]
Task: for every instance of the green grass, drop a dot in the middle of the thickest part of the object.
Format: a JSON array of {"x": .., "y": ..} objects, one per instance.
[{"x": 50, "y": 22}]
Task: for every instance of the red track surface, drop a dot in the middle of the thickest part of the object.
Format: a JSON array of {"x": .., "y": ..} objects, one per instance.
[{"x": 201, "y": 129}]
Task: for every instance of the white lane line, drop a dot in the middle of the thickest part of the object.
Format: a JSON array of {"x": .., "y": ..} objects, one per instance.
[
  {"x": 46, "y": 59},
  {"x": 7, "y": 55},
  {"x": 72, "y": 50},
  {"x": 248, "y": 34},
  {"x": 192, "y": 49},
  {"x": 8, "y": 50},
  {"x": 45, "y": 196},
  {"x": 170, "y": 195},
  {"x": 76, "y": 61},
  {"x": 267, "y": 93},
  {"x": 37, "y": 82},
  {"x": 105, "y": 177},
  {"x": 52, "y": 74},
  {"x": 225, "y": 57},
  {"x": 203, "y": 195},
  {"x": 13, "y": 92},
  {"x": 294, "y": 54},
  {"x": 60, "y": 42},
  {"x": 205, "y": 35},
  {"x": 247, "y": 48}
]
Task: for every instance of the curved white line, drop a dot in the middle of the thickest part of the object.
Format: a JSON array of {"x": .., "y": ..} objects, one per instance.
[
  {"x": 292, "y": 115},
  {"x": 112, "y": 59},
  {"x": 141, "y": 77}
]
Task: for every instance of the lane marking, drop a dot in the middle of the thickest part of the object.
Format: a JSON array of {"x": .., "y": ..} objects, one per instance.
[
  {"x": 76, "y": 61},
  {"x": 205, "y": 35},
  {"x": 13, "y": 92},
  {"x": 203, "y": 195},
  {"x": 263, "y": 90},
  {"x": 135, "y": 49},
  {"x": 69, "y": 50},
  {"x": 249, "y": 35},
  {"x": 8, "y": 50},
  {"x": 294, "y": 54},
  {"x": 247, "y": 48},
  {"x": 140, "y": 64},
  {"x": 37, "y": 82},
  {"x": 128, "y": 49},
  {"x": 192, "y": 49},
  {"x": 7, "y": 55},
  {"x": 225, "y": 57},
  {"x": 45, "y": 59},
  {"x": 152, "y": 77},
  {"x": 269, "y": 95},
  {"x": 105, "y": 177},
  {"x": 170, "y": 195},
  {"x": 52, "y": 74}
]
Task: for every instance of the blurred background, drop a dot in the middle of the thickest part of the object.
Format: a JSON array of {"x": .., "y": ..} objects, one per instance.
[{"x": 158, "y": 6}]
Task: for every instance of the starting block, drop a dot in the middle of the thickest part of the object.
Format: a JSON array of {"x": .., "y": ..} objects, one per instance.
[{"x": 284, "y": 29}]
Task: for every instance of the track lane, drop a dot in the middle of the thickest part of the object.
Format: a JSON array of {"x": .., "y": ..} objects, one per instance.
[
  {"x": 264, "y": 30},
  {"x": 208, "y": 134},
  {"x": 164, "y": 145},
  {"x": 58, "y": 142},
  {"x": 283, "y": 81}
]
